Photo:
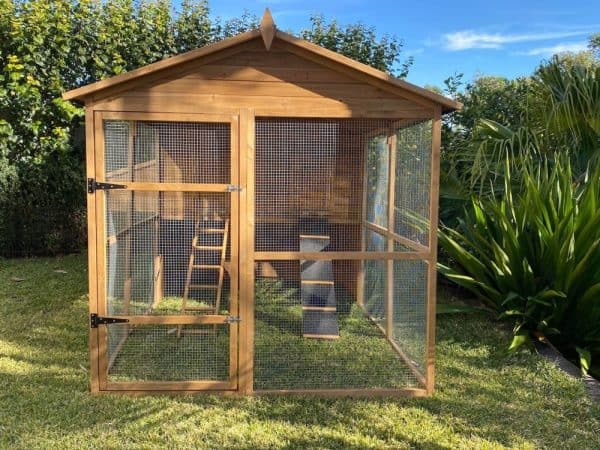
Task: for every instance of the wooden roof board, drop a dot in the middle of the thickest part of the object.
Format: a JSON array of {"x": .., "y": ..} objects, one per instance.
[{"x": 303, "y": 48}]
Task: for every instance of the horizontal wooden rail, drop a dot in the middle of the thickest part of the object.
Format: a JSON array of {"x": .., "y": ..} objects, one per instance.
[
  {"x": 173, "y": 187},
  {"x": 366, "y": 392},
  {"x": 212, "y": 319},
  {"x": 400, "y": 239},
  {"x": 328, "y": 256},
  {"x": 170, "y": 385}
]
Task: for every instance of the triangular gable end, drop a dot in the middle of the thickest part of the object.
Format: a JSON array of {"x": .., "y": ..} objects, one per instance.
[{"x": 179, "y": 66}]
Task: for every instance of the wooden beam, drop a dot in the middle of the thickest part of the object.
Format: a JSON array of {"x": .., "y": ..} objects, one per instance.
[
  {"x": 92, "y": 245},
  {"x": 267, "y": 29},
  {"x": 168, "y": 385},
  {"x": 400, "y": 239},
  {"x": 246, "y": 264},
  {"x": 338, "y": 393},
  {"x": 319, "y": 256},
  {"x": 389, "y": 297},
  {"x": 436, "y": 133}
]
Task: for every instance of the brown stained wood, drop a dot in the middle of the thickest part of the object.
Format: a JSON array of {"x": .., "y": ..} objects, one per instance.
[
  {"x": 224, "y": 70},
  {"x": 432, "y": 263},
  {"x": 232, "y": 266},
  {"x": 92, "y": 271},
  {"x": 192, "y": 86},
  {"x": 266, "y": 105},
  {"x": 337, "y": 393},
  {"x": 158, "y": 280},
  {"x": 267, "y": 29},
  {"x": 179, "y": 319},
  {"x": 396, "y": 237},
  {"x": 326, "y": 337},
  {"x": 165, "y": 117},
  {"x": 169, "y": 63},
  {"x": 317, "y": 256},
  {"x": 100, "y": 201},
  {"x": 169, "y": 385},
  {"x": 389, "y": 296},
  {"x": 246, "y": 251},
  {"x": 354, "y": 68}
]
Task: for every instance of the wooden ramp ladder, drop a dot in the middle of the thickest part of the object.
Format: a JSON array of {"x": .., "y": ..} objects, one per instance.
[
  {"x": 317, "y": 286},
  {"x": 207, "y": 253}
]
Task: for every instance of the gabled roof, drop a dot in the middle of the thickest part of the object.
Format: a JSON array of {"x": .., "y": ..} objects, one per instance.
[{"x": 269, "y": 33}]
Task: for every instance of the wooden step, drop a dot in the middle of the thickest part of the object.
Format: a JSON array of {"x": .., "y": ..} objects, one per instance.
[
  {"x": 208, "y": 247},
  {"x": 331, "y": 283},
  {"x": 206, "y": 266},
  {"x": 314, "y": 236}
]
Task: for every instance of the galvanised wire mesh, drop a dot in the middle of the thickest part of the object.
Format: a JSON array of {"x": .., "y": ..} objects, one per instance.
[
  {"x": 410, "y": 309},
  {"x": 312, "y": 168},
  {"x": 361, "y": 357},
  {"x": 413, "y": 180},
  {"x": 357, "y": 307},
  {"x": 149, "y": 237}
]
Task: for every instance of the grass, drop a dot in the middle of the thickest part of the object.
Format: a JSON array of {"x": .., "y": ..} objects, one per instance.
[{"x": 484, "y": 398}]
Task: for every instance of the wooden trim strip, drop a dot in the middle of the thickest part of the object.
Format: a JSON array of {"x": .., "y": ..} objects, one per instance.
[
  {"x": 328, "y": 337},
  {"x": 166, "y": 117},
  {"x": 168, "y": 385},
  {"x": 175, "y": 320},
  {"x": 318, "y": 256},
  {"x": 436, "y": 133},
  {"x": 397, "y": 349},
  {"x": 337, "y": 393},
  {"x": 175, "y": 187},
  {"x": 389, "y": 296},
  {"x": 400, "y": 239}
]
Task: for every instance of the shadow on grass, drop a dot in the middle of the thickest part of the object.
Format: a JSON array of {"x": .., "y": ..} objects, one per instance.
[{"x": 483, "y": 398}]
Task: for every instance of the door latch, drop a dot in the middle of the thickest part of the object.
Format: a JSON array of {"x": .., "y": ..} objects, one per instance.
[
  {"x": 233, "y": 319},
  {"x": 234, "y": 188}
]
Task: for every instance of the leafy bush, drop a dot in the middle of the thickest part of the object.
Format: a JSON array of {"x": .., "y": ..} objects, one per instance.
[{"x": 534, "y": 256}]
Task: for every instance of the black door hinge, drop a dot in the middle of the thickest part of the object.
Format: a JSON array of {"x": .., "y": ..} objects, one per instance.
[
  {"x": 92, "y": 185},
  {"x": 96, "y": 320}
]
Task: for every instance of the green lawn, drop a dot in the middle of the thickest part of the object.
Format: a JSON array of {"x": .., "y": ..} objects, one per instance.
[{"x": 484, "y": 399}]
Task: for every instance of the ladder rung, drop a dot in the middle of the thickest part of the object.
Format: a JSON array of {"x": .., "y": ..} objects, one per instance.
[
  {"x": 314, "y": 236},
  {"x": 203, "y": 286},
  {"x": 208, "y": 247},
  {"x": 323, "y": 282},
  {"x": 206, "y": 266},
  {"x": 212, "y": 230}
]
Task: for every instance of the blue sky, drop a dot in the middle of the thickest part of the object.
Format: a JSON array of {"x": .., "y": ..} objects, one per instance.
[{"x": 507, "y": 38}]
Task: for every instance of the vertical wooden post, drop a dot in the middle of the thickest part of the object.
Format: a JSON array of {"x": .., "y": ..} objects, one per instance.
[
  {"x": 234, "y": 269},
  {"x": 100, "y": 201},
  {"x": 360, "y": 282},
  {"x": 246, "y": 260},
  {"x": 436, "y": 136},
  {"x": 389, "y": 310},
  {"x": 91, "y": 226}
]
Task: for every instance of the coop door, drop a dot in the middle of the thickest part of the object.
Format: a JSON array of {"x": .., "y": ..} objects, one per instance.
[{"x": 166, "y": 200}]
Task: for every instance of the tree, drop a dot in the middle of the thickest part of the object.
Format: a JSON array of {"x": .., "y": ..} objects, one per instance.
[{"x": 359, "y": 42}]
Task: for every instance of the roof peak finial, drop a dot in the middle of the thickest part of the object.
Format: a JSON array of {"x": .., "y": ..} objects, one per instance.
[{"x": 267, "y": 28}]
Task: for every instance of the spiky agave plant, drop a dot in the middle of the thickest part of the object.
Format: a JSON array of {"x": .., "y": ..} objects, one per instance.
[{"x": 535, "y": 256}]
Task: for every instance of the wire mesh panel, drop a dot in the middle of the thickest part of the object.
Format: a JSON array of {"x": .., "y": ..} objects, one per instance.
[
  {"x": 156, "y": 353},
  {"x": 167, "y": 252},
  {"x": 311, "y": 168},
  {"x": 284, "y": 358},
  {"x": 410, "y": 308},
  {"x": 413, "y": 179}
]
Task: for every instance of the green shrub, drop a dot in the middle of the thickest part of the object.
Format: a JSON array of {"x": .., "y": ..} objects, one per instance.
[{"x": 534, "y": 256}]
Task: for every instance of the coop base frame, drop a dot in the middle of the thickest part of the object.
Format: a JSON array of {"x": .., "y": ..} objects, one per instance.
[{"x": 243, "y": 141}]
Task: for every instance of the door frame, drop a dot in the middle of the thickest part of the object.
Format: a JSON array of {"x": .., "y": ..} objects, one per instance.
[{"x": 95, "y": 159}]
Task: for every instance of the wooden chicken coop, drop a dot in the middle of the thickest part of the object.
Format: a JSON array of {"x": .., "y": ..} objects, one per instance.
[{"x": 262, "y": 219}]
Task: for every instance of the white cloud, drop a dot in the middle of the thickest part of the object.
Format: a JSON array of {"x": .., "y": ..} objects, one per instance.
[
  {"x": 558, "y": 48},
  {"x": 468, "y": 39}
]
